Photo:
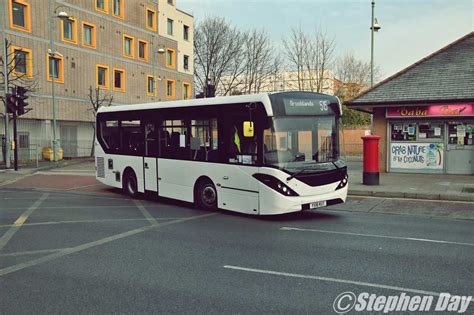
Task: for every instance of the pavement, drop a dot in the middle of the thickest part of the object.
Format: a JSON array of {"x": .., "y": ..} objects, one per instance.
[
  {"x": 413, "y": 186},
  {"x": 9, "y": 176}
]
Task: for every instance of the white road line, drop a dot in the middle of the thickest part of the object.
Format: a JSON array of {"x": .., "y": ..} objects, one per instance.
[
  {"x": 79, "y": 248},
  {"x": 32, "y": 252},
  {"x": 20, "y": 221},
  {"x": 366, "y": 284},
  {"x": 145, "y": 212},
  {"x": 377, "y": 236},
  {"x": 87, "y": 221}
]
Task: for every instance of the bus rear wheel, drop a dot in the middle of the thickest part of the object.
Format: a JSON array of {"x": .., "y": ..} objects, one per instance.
[
  {"x": 206, "y": 195},
  {"x": 130, "y": 186}
]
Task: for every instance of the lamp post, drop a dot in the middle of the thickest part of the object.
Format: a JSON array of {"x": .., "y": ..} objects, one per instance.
[
  {"x": 374, "y": 27},
  {"x": 53, "y": 54}
]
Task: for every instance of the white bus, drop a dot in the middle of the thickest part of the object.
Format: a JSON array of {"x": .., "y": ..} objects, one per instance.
[{"x": 264, "y": 154}]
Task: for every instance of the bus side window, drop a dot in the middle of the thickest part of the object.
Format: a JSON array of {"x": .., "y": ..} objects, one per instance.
[
  {"x": 109, "y": 135},
  {"x": 204, "y": 140},
  {"x": 132, "y": 138}
]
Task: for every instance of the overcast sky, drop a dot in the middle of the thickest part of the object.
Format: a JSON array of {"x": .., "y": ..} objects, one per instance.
[{"x": 411, "y": 29}]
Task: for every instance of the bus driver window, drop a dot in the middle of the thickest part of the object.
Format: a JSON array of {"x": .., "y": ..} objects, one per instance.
[{"x": 242, "y": 150}]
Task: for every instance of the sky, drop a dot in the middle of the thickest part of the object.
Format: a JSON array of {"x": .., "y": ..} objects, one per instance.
[{"x": 410, "y": 29}]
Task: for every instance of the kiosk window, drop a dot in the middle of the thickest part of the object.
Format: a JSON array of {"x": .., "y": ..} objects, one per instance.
[
  {"x": 430, "y": 131},
  {"x": 461, "y": 133},
  {"x": 403, "y": 131}
]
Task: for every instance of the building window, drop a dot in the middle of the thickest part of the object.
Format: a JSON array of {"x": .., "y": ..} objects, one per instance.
[
  {"x": 69, "y": 30},
  {"x": 150, "y": 86},
  {"x": 88, "y": 35},
  {"x": 170, "y": 58},
  {"x": 119, "y": 80},
  {"x": 20, "y": 16},
  {"x": 170, "y": 2},
  {"x": 55, "y": 65},
  {"x": 186, "y": 32},
  {"x": 170, "y": 26},
  {"x": 102, "y": 6},
  {"x": 170, "y": 88},
  {"x": 102, "y": 77},
  {"x": 151, "y": 19},
  {"x": 22, "y": 62},
  {"x": 186, "y": 62},
  {"x": 142, "y": 50},
  {"x": 118, "y": 8},
  {"x": 186, "y": 91},
  {"x": 128, "y": 49}
]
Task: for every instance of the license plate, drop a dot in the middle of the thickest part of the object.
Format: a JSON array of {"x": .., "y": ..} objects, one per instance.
[{"x": 318, "y": 204}]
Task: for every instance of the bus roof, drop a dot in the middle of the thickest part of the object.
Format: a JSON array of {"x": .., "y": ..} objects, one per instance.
[
  {"x": 221, "y": 100},
  {"x": 263, "y": 98}
]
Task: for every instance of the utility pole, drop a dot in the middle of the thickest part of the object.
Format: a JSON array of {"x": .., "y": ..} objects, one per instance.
[
  {"x": 52, "y": 64},
  {"x": 372, "y": 45},
  {"x": 4, "y": 43}
]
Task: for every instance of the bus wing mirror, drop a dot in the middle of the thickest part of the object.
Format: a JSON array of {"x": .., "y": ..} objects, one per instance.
[{"x": 248, "y": 129}]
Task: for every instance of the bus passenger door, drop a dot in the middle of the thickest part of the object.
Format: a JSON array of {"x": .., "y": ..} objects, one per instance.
[{"x": 150, "y": 159}]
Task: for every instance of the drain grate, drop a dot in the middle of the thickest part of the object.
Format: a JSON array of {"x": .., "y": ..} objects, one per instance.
[{"x": 468, "y": 190}]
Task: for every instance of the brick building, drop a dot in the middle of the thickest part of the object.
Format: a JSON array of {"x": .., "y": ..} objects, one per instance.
[
  {"x": 133, "y": 50},
  {"x": 425, "y": 113}
]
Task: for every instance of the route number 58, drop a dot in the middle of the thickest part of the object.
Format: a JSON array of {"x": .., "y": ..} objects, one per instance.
[{"x": 323, "y": 106}]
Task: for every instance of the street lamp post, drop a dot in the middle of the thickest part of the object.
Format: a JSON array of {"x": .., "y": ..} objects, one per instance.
[
  {"x": 53, "y": 54},
  {"x": 374, "y": 27}
]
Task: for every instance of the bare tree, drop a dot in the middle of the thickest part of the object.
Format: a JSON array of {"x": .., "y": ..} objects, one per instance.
[
  {"x": 261, "y": 63},
  {"x": 217, "y": 53},
  {"x": 97, "y": 100},
  {"x": 353, "y": 77},
  {"x": 311, "y": 57}
]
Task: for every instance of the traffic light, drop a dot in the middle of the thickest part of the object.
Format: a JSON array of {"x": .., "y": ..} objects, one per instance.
[
  {"x": 11, "y": 103},
  {"x": 21, "y": 97}
]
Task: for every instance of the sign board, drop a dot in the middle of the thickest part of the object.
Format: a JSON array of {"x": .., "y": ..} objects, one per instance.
[
  {"x": 417, "y": 156},
  {"x": 295, "y": 106},
  {"x": 452, "y": 110}
]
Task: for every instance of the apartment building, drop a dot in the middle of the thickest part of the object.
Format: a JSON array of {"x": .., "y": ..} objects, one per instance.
[
  {"x": 279, "y": 82},
  {"x": 133, "y": 51}
]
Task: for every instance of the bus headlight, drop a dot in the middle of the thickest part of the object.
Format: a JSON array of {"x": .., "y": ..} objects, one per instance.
[
  {"x": 343, "y": 183},
  {"x": 275, "y": 184}
]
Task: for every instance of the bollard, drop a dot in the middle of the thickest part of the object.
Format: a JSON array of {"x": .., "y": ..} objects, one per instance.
[{"x": 371, "y": 160}]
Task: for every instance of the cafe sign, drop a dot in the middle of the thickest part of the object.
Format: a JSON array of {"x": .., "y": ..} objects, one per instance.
[{"x": 454, "y": 110}]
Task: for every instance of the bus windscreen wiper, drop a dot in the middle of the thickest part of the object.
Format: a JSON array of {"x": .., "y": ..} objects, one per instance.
[{"x": 295, "y": 174}]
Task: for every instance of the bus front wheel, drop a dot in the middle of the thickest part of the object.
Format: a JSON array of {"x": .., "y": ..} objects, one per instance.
[
  {"x": 130, "y": 185},
  {"x": 206, "y": 195}
]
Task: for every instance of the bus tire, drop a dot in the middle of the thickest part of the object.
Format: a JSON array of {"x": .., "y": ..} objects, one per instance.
[
  {"x": 206, "y": 195},
  {"x": 130, "y": 184}
]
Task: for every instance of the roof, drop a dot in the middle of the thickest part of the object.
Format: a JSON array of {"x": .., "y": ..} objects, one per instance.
[
  {"x": 222, "y": 100},
  {"x": 445, "y": 75},
  {"x": 263, "y": 98}
]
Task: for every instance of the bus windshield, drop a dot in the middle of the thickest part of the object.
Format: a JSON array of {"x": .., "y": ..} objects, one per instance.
[{"x": 296, "y": 143}]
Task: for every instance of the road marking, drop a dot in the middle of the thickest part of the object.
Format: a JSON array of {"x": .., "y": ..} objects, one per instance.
[
  {"x": 377, "y": 236},
  {"x": 336, "y": 280},
  {"x": 32, "y": 252},
  {"x": 79, "y": 248},
  {"x": 19, "y": 222},
  {"x": 145, "y": 212},
  {"x": 86, "y": 221}
]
